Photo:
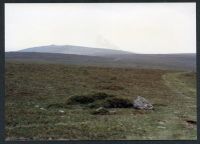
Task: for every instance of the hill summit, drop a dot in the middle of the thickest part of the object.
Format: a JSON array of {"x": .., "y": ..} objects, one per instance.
[{"x": 78, "y": 50}]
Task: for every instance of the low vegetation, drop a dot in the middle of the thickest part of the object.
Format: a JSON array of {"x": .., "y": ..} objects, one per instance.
[
  {"x": 52, "y": 101},
  {"x": 99, "y": 100}
]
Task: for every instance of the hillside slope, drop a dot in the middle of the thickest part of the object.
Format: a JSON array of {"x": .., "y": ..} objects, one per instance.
[
  {"x": 163, "y": 61},
  {"x": 79, "y": 50}
]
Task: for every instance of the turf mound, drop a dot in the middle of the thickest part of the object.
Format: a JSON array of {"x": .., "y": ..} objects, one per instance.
[
  {"x": 99, "y": 100},
  {"x": 117, "y": 103}
]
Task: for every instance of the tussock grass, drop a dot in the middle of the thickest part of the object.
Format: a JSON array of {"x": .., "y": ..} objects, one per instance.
[
  {"x": 117, "y": 103},
  {"x": 99, "y": 100},
  {"x": 86, "y": 99}
]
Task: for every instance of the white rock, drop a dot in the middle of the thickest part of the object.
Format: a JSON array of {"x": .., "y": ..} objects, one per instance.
[
  {"x": 61, "y": 111},
  {"x": 161, "y": 127},
  {"x": 113, "y": 112},
  {"x": 161, "y": 123},
  {"x": 101, "y": 110},
  {"x": 42, "y": 108}
]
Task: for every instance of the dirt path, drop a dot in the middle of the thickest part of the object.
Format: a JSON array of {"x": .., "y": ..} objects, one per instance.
[
  {"x": 178, "y": 86},
  {"x": 184, "y": 92},
  {"x": 183, "y": 107}
]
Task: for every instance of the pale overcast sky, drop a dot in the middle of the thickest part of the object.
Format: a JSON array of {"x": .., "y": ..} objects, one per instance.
[{"x": 135, "y": 27}]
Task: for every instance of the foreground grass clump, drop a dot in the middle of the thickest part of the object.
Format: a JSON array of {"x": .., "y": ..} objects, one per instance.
[
  {"x": 99, "y": 100},
  {"x": 51, "y": 101},
  {"x": 86, "y": 99},
  {"x": 117, "y": 103},
  {"x": 80, "y": 100}
]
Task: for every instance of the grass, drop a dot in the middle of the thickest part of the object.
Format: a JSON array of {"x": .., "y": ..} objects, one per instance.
[{"x": 35, "y": 94}]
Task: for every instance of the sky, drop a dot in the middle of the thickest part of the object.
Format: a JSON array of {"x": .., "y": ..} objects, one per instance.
[{"x": 150, "y": 28}]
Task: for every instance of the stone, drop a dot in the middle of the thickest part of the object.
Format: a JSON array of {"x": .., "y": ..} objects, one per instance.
[
  {"x": 161, "y": 127},
  {"x": 113, "y": 112},
  {"x": 142, "y": 103},
  {"x": 42, "y": 108},
  {"x": 61, "y": 111},
  {"x": 161, "y": 123},
  {"x": 101, "y": 110},
  {"x": 37, "y": 106}
]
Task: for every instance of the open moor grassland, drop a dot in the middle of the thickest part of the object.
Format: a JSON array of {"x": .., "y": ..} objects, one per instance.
[{"x": 31, "y": 90}]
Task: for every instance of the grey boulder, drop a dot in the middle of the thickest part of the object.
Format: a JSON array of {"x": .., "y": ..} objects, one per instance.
[{"x": 142, "y": 103}]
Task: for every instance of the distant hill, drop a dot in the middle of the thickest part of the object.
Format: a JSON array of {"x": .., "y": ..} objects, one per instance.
[
  {"x": 78, "y": 50},
  {"x": 156, "y": 61}
]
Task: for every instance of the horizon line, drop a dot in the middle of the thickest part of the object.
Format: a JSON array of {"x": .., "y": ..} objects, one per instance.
[{"x": 98, "y": 48}]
